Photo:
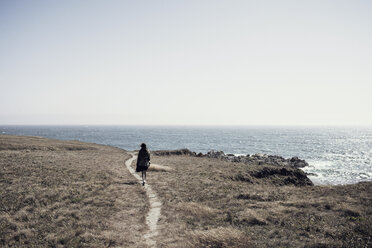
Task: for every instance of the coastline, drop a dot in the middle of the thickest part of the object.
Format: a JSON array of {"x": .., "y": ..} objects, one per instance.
[
  {"x": 254, "y": 159},
  {"x": 70, "y": 193},
  {"x": 335, "y": 162}
]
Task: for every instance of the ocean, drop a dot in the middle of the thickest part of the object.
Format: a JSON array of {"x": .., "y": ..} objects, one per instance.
[{"x": 337, "y": 155}]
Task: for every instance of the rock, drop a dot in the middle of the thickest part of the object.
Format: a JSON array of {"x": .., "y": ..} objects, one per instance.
[
  {"x": 215, "y": 154},
  {"x": 298, "y": 163},
  {"x": 283, "y": 176}
]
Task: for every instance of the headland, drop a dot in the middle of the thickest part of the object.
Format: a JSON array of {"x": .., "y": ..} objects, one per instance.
[{"x": 70, "y": 193}]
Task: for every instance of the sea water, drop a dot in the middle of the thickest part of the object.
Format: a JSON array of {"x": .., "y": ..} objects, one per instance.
[{"x": 336, "y": 155}]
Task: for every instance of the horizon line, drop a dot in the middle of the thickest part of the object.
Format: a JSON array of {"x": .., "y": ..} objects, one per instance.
[{"x": 196, "y": 125}]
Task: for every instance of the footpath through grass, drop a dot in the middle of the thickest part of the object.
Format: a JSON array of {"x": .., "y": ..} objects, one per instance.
[{"x": 67, "y": 194}]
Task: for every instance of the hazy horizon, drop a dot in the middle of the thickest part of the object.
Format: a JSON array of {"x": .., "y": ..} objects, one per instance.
[
  {"x": 218, "y": 126},
  {"x": 186, "y": 63}
]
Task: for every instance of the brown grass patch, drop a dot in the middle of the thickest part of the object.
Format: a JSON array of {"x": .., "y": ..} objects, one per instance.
[
  {"x": 197, "y": 210},
  {"x": 220, "y": 237},
  {"x": 251, "y": 217},
  {"x": 159, "y": 168}
]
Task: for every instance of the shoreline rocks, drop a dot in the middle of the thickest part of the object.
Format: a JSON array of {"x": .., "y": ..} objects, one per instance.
[{"x": 255, "y": 159}]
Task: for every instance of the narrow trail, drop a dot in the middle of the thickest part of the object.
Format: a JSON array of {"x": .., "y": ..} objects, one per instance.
[{"x": 155, "y": 206}]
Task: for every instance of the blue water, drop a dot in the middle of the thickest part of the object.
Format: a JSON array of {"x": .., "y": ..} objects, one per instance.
[{"x": 338, "y": 155}]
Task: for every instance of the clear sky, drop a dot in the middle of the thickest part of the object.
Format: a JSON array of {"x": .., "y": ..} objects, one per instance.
[{"x": 186, "y": 62}]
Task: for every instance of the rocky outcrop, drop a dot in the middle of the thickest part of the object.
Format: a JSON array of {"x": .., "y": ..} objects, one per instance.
[
  {"x": 258, "y": 159},
  {"x": 255, "y": 159},
  {"x": 283, "y": 176},
  {"x": 298, "y": 163},
  {"x": 271, "y": 168},
  {"x": 275, "y": 175},
  {"x": 173, "y": 152}
]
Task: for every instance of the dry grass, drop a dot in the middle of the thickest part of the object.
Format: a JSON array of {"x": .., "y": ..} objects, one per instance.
[
  {"x": 220, "y": 237},
  {"x": 159, "y": 168},
  {"x": 201, "y": 197},
  {"x": 197, "y": 210},
  {"x": 67, "y": 194}
]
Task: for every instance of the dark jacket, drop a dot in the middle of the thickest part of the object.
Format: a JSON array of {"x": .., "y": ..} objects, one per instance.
[{"x": 143, "y": 160}]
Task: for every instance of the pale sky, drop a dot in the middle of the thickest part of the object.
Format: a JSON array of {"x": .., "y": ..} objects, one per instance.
[{"x": 186, "y": 62}]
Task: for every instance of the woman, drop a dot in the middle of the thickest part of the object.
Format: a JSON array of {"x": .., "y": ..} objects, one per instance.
[{"x": 143, "y": 162}]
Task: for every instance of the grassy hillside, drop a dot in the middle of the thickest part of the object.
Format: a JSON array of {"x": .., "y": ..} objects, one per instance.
[
  {"x": 73, "y": 194},
  {"x": 67, "y": 194},
  {"x": 214, "y": 203}
]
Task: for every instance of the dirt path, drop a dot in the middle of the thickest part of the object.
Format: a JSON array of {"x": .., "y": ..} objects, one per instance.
[{"x": 155, "y": 206}]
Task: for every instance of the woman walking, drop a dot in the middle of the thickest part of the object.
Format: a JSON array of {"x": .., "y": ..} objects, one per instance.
[{"x": 143, "y": 162}]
